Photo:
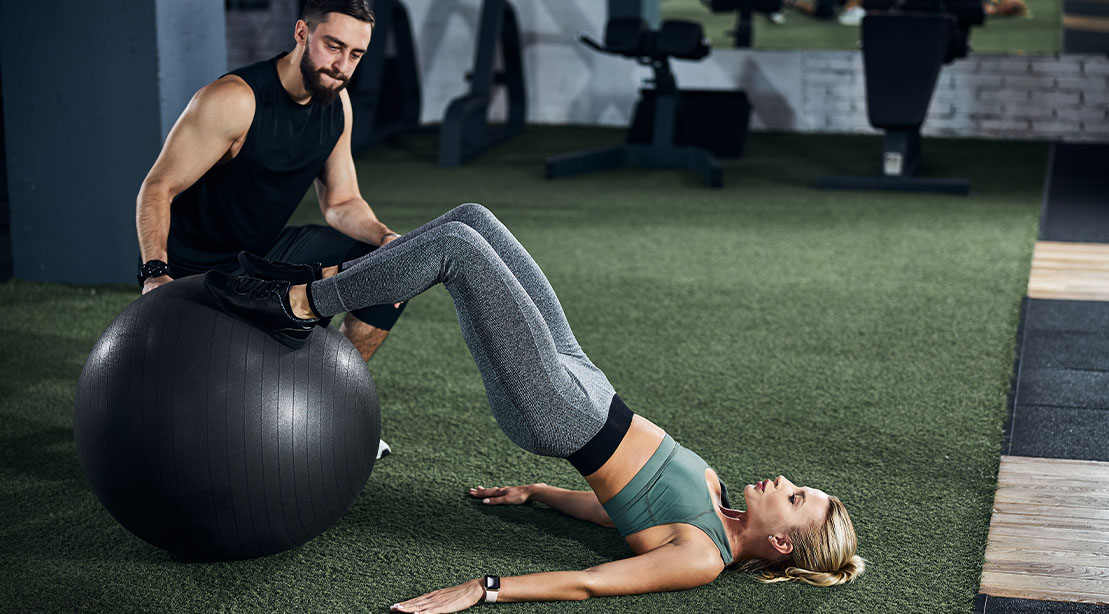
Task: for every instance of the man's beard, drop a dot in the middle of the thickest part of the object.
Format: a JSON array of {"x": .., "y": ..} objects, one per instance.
[{"x": 313, "y": 82}]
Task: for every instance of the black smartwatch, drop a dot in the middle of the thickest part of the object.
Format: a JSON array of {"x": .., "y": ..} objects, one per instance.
[
  {"x": 492, "y": 585},
  {"x": 152, "y": 268}
]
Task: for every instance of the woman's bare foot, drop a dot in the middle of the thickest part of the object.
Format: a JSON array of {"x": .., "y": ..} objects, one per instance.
[{"x": 298, "y": 300}]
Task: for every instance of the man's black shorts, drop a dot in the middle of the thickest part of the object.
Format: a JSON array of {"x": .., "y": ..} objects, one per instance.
[{"x": 308, "y": 245}]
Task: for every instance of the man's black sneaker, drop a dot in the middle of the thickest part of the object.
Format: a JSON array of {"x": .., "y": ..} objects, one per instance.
[
  {"x": 296, "y": 274},
  {"x": 262, "y": 303}
]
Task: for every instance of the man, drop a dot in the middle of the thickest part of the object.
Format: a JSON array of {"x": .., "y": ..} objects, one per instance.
[{"x": 244, "y": 152}]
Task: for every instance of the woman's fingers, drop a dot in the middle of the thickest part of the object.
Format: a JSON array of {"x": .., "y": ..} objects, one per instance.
[
  {"x": 481, "y": 492},
  {"x": 415, "y": 604}
]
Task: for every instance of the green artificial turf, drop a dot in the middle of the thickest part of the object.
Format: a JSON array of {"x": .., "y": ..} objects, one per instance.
[
  {"x": 1038, "y": 32},
  {"x": 857, "y": 342}
]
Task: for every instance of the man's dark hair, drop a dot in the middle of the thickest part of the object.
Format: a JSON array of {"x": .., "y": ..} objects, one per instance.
[{"x": 315, "y": 11}]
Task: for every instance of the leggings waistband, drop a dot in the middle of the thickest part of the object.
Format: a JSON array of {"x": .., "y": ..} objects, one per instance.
[{"x": 589, "y": 458}]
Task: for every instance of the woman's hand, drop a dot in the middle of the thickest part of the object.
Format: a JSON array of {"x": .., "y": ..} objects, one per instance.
[
  {"x": 451, "y": 599},
  {"x": 509, "y": 495}
]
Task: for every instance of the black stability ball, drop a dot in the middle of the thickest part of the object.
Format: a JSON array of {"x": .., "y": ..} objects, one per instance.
[{"x": 205, "y": 437}]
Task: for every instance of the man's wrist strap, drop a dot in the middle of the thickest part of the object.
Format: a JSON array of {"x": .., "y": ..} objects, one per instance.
[{"x": 152, "y": 268}]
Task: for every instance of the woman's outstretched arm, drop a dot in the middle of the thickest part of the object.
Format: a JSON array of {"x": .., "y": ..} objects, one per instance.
[
  {"x": 671, "y": 567},
  {"x": 582, "y": 505}
]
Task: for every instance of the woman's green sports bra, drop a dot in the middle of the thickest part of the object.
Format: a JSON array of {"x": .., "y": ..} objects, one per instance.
[{"x": 670, "y": 488}]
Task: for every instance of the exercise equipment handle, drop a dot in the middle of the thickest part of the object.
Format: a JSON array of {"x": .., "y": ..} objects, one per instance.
[{"x": 589, "y": 42}]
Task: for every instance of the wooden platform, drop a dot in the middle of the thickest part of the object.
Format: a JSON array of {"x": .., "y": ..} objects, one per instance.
[
  {"x": 1072, "y": 271},
  {"x": 1049, "y": 535}
]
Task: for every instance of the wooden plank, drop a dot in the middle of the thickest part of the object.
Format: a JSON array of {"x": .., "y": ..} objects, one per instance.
[
  {"x": 1042, "y": 594},
  {"x": 1069, "y": 469},
  {"x": 1014, "y": 461},
  {"x": 1070, "y": 480},
  {"x": 1049, "y": 533},
  {"x": 1012, "y": 495},
  {"x": 1098, "y": 589},
  {"x": 1076, "y": 247},
  {"x": 1070, "y": 270},
  {"x": 1051, "y": 521},
  {"x": 1038, "y": 531},
  {"x": 1052, "y": 569},
  {"x": 1069, "y": 293},
  {"x": 1021, "y": 552},
  {"x": 1036, "y": 482},
  {"x": 1037, "y": 543},
  {"x": 1086, "y": 24},
  {"x": 1004, "y": 507}
]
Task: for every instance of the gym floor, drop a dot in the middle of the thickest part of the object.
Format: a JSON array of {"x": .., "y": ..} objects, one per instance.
[
  {"x": 862, "y": 343},
  {"x": 1049, "y": 535}
]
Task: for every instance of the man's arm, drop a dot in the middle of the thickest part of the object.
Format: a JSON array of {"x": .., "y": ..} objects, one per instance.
[
  {"x": 340, "y": 199},
  {"x": 217, "y": 116},
  {"x": 579, "y": 504},
  {"x": 675, "y": 566}
]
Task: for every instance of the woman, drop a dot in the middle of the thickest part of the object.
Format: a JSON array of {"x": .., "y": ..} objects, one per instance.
[{"x": 547, "y": 396}]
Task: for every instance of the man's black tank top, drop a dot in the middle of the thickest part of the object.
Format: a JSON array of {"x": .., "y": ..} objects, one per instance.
[{"x": 244, "y": 203}]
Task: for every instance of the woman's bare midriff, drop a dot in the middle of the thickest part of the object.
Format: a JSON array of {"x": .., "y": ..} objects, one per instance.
[{"x": 639, "y": 443}]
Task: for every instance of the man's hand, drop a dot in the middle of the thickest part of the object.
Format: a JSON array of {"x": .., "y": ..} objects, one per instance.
[
  {"x": 154, "y": 282},
  {"x": 510, "y": 495},
  {"x": 451, "y": 599}
]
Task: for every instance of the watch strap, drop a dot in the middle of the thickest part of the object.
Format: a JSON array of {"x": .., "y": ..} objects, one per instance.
[{"x": 152, "y": 268}]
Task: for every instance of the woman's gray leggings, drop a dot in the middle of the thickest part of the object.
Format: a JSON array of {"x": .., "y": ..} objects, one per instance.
[{"x": 545, "y": 393}]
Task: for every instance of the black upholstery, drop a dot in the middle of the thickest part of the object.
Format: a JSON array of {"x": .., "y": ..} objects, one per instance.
[
  {"x": 900, "y": 79},
  {"x": 905, "y": 43},
  {"x": 632, "y": 37},
  {"x": 681, "y": 39},
  {"x": 626, "y": 36}
]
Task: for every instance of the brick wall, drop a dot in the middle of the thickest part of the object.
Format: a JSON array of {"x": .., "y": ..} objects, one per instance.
[{"x": 993, "y": 96}]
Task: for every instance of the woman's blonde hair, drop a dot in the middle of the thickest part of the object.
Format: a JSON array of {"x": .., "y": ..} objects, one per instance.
[{"x": 823, "y": 554}]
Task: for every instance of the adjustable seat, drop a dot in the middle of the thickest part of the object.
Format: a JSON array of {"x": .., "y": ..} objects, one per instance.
[{"x": 631, "y": 37}]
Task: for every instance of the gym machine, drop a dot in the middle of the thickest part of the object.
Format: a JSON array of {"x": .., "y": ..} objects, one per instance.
[
  {"x": 631, "y": 37},
  {"x": 904, "y": 45},
  {"x": 466, "y": 130}
]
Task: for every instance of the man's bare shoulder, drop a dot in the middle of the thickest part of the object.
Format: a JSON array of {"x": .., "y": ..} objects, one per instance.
[
  {"x": 344, "y": 97},
  {"x": 227, "y": 102}
]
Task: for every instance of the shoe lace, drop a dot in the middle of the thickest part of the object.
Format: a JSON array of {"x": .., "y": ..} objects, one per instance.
[{"x": 254, "y": 287}]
